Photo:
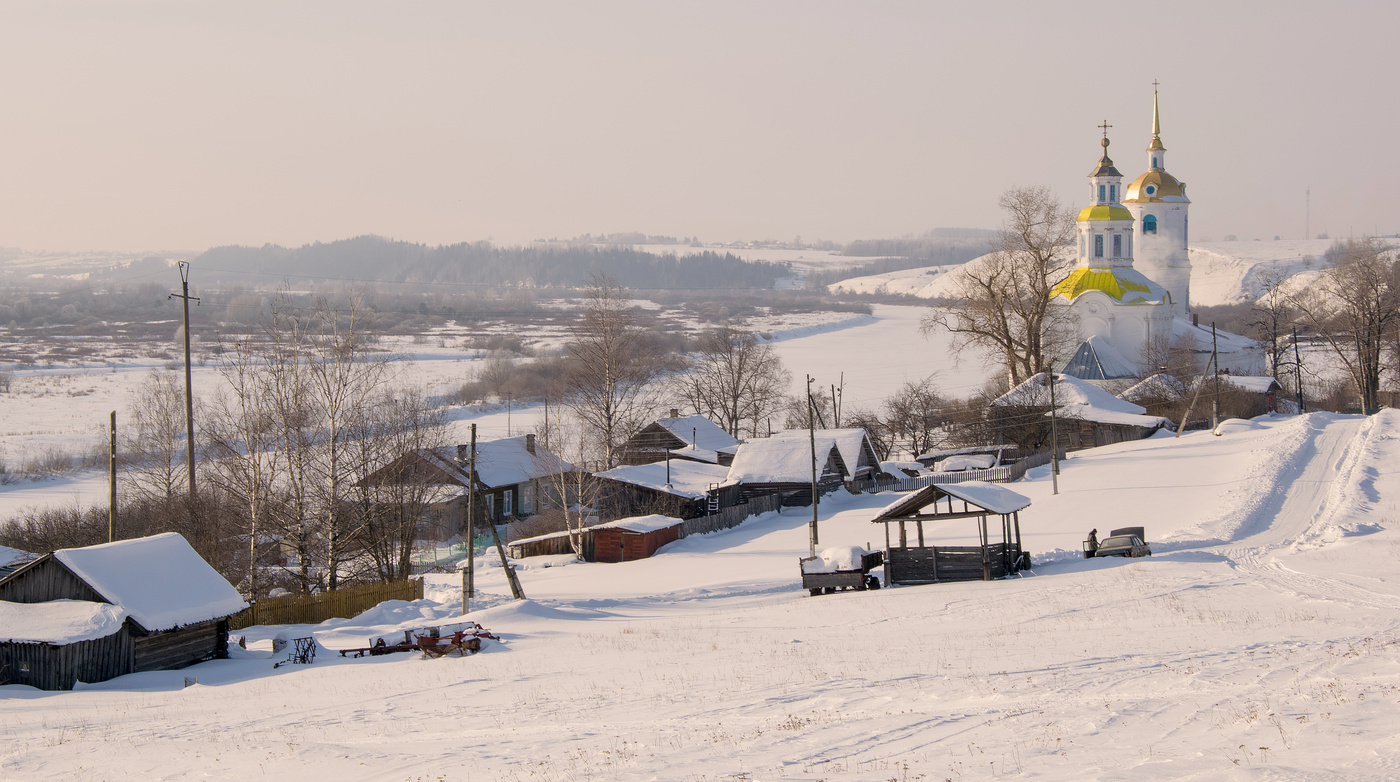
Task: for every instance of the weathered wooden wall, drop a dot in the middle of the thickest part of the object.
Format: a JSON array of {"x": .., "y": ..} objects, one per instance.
[
  {"x": 44, "y": 580},
  {"x": 181, "y": 647},
  {"x": 59, "y": 667},
  {"x": 314, "y": 609},
  {"x": 933, "y": 564}
]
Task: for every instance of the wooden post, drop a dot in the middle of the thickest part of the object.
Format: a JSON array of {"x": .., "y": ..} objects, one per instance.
[
  {"x": 112, "y": 483},
  {"x": 888, "y": 565},
  {"x": 812, "y": 436},
  {"x": 903, "y": 536},
  {"x": 185, "y": 298},
  {"x": 920, "y": 525},
  {"x": 1215, "y": 409},
  {"x": 986, "y": 566}
]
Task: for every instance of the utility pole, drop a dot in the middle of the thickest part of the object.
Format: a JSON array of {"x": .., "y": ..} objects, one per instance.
[
  {"x": 1307, "y": 221},
  {"x": 812, "y": 437},
  {"x": 112, "y": 483},
  {"x": 1215, "y": 356},
  {"x": 185, "y": 298},
  {"x": 469, "y": 573},
  {"x": 1297, "y": 370},
  {"x": 1054, "y": 440}
]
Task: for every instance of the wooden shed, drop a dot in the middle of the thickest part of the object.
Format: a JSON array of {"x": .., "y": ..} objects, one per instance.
[
  {"x": 683, "y": 489},
  {"x": 921, "y": 562},
  {"x": 173, "y": 607},
  {"x": 626, "y": 540}
]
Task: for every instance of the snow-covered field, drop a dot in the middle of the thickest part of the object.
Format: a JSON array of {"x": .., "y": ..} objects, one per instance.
[
  {"x": 1260, "y": 642},
  {"x": 1221, "y": 272}
]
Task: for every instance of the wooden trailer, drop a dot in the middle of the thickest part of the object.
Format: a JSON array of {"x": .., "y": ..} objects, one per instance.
[{"x": 921, "y": 562}]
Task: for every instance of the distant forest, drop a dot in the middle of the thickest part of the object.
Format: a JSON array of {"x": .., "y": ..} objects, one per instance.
[{"x": 373, "y": 258}]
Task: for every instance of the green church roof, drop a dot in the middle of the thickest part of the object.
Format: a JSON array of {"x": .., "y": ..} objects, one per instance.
[
  {"x": 1125, "y": 285},
  {"x": 1105, "y": 212}
]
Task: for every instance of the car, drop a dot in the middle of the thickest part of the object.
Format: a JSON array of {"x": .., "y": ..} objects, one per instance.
[{"x": 1123, "y": 546}]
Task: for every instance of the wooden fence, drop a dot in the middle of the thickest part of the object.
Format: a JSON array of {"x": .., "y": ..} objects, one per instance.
[
  {"x": 316, "y": 608},
  {"x": 1004, "y": 474}
]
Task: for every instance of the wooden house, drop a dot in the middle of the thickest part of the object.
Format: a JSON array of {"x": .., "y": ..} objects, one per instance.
[
  {"x": 782, "y": 465},
  {"x": 690, "y": 437},
  {"x": 1087, "y": 415},
  {"x": 515, "y": 478},
  {"x": 677, "y": 488},
  {"x": 920, "y": 561},
  {"x": 90, "y": 614},
  {"x": 633, "y": 538}
]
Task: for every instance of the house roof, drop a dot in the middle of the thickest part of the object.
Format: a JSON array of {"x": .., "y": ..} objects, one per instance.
[
  {"x": 980, "y": 494},
  {"x": 1100, "y": 416},
  {"x": 853, "y": 444},
  {"x": 58, "y": 621},
  {"x": 1158, "y": 386},
  {"x": 503, "y": 462},
  {"x": 1035, "y": 392},
  {"x": 160, "y": 581},
  {"x": 650, "y": 523},
  {"x": 783, "y": 458},
  {"x": 699, "y": 432},
  {"x": 688, "y": 479}
]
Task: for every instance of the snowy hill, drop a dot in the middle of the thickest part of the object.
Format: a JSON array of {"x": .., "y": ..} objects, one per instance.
[
  {"x": 1221, "y": 272},
  {"x": 1258, "y": 642}
]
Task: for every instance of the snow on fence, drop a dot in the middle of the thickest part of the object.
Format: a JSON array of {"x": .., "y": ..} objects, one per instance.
[
  {"x": 316, "y": 608},
  {"x": 1004, "y": 474}
]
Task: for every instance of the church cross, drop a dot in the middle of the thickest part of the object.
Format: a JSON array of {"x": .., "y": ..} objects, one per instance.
[
  {"x": 1105, "y": 127},
  {"x": 1154, "y": 85}
]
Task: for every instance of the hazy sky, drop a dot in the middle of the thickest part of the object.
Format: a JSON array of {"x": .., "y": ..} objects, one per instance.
[{"x": 130, "y": 125}]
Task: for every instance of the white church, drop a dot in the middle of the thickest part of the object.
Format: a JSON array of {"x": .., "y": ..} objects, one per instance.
[{"x": 1131, "y": 285}]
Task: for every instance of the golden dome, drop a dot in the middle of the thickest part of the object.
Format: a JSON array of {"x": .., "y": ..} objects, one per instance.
[
  {"x": 1153, "y": 186},
  {"x": 1104, "y": 212},
  {"x": 1126, "y": 285}
]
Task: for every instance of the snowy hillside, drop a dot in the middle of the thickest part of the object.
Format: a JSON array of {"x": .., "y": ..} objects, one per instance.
[
  {"x": 1221, "y": 272},
  {"x": 1259, "y": 642}
]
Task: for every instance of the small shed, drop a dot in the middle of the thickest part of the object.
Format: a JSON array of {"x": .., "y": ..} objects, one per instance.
[
  {"x": 683, "y": 489},
  {"x": 639, "y": 537},
  {"x": 920, "y": 562},
  {"x": 174, "y": 611}
]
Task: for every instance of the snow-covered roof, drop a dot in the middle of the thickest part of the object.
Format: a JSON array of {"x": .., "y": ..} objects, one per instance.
[
  {"x": 58, "y": 621},
  {"x": 1259, "y": 385},
  {"x": 688, "y": 479},
  {"x": 991, "y": 497},
  {"x": 503, "y": 462},
  {"x": 1200, "y": 337},
  {"x": 1035, "y": 392},
  {"x": 1096, "y": 359},
  {"x": 12, "y": 555},
  {"x": 852, "y": 444},
  {"x": 160, "y": 581},
  {"x": 971, "y": 461},
  {"x": 696, "y": 454},
  {"x": 650, "y": 523},
  {"x": 700, "y": 432},
  {"x": 1100, "y": 416},
  {"x": 782, "y": 458},
  {"x": 1158, "y": 386}
]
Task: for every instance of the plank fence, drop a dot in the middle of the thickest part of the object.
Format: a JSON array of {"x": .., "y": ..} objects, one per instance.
[{"x": 316, "y": 608}]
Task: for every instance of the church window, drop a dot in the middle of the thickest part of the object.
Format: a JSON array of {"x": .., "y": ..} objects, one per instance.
[
  {"x": 1118, "y": 245},
  {"x": 1154, "y": 161},
  {"x": 1149, "y": 224},
  {"x": 1113, "y": 194},
  {"x": 1101, "y": 193},
  {"x": 1098, "y": 245}
]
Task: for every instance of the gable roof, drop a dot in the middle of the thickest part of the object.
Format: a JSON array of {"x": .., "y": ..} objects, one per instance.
[
  {"x": 1158, "y": 386},
  {"x": 783, "y": 458},
  {"x": 503, "y": 462},
  {"x": 1035, "y": 392},
  {"x": 160, "y": 581},
  {"x": 1097, "y": 360},
  {"x": 699, "y": 432},
  {"x": 979, "y": 494},
  {"x": 688, "y": 479}
]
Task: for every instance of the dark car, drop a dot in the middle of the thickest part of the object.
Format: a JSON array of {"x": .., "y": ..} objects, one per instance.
[{"x": 1123, "y": 546}]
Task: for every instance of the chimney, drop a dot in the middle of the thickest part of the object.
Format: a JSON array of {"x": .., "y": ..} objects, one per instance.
[
  {"x": 530, "y": 443},
  {"x": 461, "y": 454},
  {"x": 675, "y": 413}
]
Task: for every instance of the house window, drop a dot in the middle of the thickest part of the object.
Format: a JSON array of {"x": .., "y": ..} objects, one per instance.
[
  {"x": 1101, "y": 192},
  {"x": 1118, "y": 245},
  {"x": 491, "y": 507},
  {"x": 527, "y": 499},
  {"x": 1098, "y": 245},
  {"x": 1149, "y": 224},
  {"x": 507, "y": 499}
]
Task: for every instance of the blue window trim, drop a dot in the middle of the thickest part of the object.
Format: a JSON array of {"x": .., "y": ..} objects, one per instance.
[{"x": 1149, "y": 224}]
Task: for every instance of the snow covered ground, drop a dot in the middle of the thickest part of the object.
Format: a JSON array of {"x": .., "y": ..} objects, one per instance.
[
  {"x": 1221, "y": 272},
  {"x": 1260, "y": 642}
]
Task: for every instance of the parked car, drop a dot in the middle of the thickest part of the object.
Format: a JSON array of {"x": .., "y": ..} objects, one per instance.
[{"x": 1123, "y": 546}]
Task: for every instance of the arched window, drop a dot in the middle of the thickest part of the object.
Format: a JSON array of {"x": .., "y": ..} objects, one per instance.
[
  {"x": 1149, "y": 224},
  {"x": 1154, "y": 161}
]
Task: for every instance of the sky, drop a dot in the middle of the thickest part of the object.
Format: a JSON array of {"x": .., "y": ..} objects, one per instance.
[{"x": 148, "y": 125}]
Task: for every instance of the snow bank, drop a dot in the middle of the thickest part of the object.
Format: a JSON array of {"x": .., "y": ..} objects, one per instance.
[{"x": 58, "y": 621}]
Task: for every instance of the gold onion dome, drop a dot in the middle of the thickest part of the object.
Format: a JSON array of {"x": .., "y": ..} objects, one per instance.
[{"x": 1154, "y": 186}]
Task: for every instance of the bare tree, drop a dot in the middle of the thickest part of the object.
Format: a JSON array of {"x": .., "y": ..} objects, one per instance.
[
  {"x": 1272, "y": 314},
  {"x": 155, "y": 440},
  {"x": 610, "y": 371},
  {"x": 1003, "y": 299},
  {"x": 572, "y": 494},
  {"x": 917, "y": 414},
  {"x": 735, "y": 378},
  {"x": 1355, "y": 307}
]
